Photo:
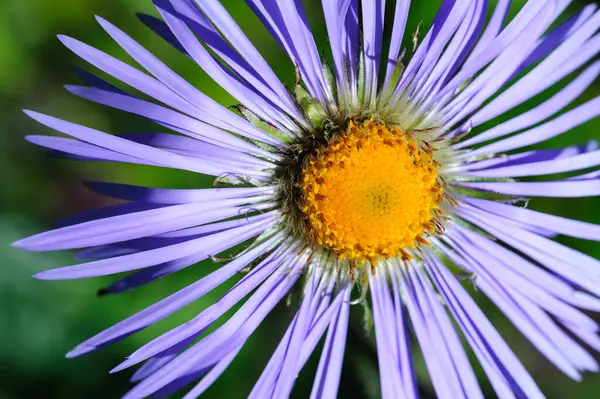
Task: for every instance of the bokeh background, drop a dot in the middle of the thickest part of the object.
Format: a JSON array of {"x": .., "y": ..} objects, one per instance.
[{"x": 41, "y": 321}]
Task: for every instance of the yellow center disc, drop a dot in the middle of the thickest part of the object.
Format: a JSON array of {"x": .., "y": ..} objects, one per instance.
[{"x": 371, "y": 193}]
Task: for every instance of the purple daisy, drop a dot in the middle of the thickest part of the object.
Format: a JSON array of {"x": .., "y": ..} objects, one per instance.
[{"x": 371, "y": 181}]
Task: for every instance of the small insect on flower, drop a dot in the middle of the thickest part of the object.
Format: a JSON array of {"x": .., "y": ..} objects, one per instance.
[{"x": 372, "y": 181}]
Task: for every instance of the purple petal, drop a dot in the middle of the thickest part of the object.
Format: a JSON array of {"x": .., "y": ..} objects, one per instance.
[
  {"x": 212, "y": 375},
  {"x": 174, "y": 302},
  {"x": 493, "y": 28},
  {"x": 175, "y": 196},
  {"x": 543, "y": 111},
  {"x": 556, "y": 126},
  {"x": 539, "y": 294},
  {"x": 158, "y": 361},
  {"x": 456, "y": 352},
  {"x": 544, "y": 74},
  {"x": 507, "y": 302},
  {"x": 453, "y": 56},
  {"x": 134, "y": 225},
  {"x": 500, "y": 363},
  {"x": 567, "y": 164},
  {"x": 287, "y": 22},
  {"x": 127, "y": 147},
  {"x": 245, "y": 95},
  {"x": 84, "y": 151},
  {"x": 136, "y": 79},
  {"x": 335, "y": 33},
  {"x": 203, "y": 247},
  {"x": 234, "y": 35},
  {"x": 186, "y": 124},
  {"x": 161, "y": 29},
  {"x": 400, "y": 18},
  {"x": 530, "y": 13},
  {"x": 205, "y": 107},
  {"x": 526, "y": 157},
  {"x": 193, "y": 17},
  {"x": 498, "y": 73},
  {"x": 288, "y": 371},
  {"x": 200, "y": 149},
  {"x": 372, "y": 27},
  {"x": 349, "y": 13},
  {"x": 330, "y": 366},
  {"x": 540, "y": 329},
  {"x": 556, "y": 189},
  {"x": 235, "y": 332},
  {"x": 444, "y": 376},
  {"x": 574, "y": 266},
  {"x": 208, "y": 316},
  {"x": 95, "y": 81},
  {"x": 393, "y": 343},
  {"x": 569, "y": 227},
  {"x": 321, "y": 320}
]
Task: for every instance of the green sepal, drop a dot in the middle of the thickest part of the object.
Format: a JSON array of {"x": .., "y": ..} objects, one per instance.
[
  {"x": 396, "y": 75},
  {"x": 456, "y": 270},
  {"x": 463, "y": 86},
  {"x": 312, "y": 109},
  {"x": 264, "y": 126},
  {"x": 460, "y": 178},
  {"x": 367, "y": 317},
  {"x": 264, "y": 146},
  {"x": 241, "y": 251},
  {"x": 470, "y": 226},
  {"x": 265, "y": 236},
  {"x": 235, "y": 179},
  {"x": 488, "y": 195},
  {"x": 415, "y": 36},
  {"x": 361, "y": 78},
  {"x": 329, "y": 78}
]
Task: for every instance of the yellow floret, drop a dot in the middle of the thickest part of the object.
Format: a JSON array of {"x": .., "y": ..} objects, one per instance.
[{"x": 371, "y": 193}]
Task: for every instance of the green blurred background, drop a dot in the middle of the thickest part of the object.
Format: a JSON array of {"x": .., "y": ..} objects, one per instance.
[{"x": 41, "y": 321}]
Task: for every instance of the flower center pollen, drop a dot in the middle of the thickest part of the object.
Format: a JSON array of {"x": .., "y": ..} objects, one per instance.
[{"x": 372, "y": 192}]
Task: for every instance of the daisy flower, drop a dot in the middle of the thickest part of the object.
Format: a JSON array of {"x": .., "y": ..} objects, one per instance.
[{"x": 388, "y": 175}]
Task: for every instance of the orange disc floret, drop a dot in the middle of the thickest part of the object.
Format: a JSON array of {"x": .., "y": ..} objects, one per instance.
[{"x": 370, "y": 193}]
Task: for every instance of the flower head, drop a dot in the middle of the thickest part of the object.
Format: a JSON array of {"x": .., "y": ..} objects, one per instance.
[
  {"x": 373, "y": 175},
  {"x": 371, "y": 193}
]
